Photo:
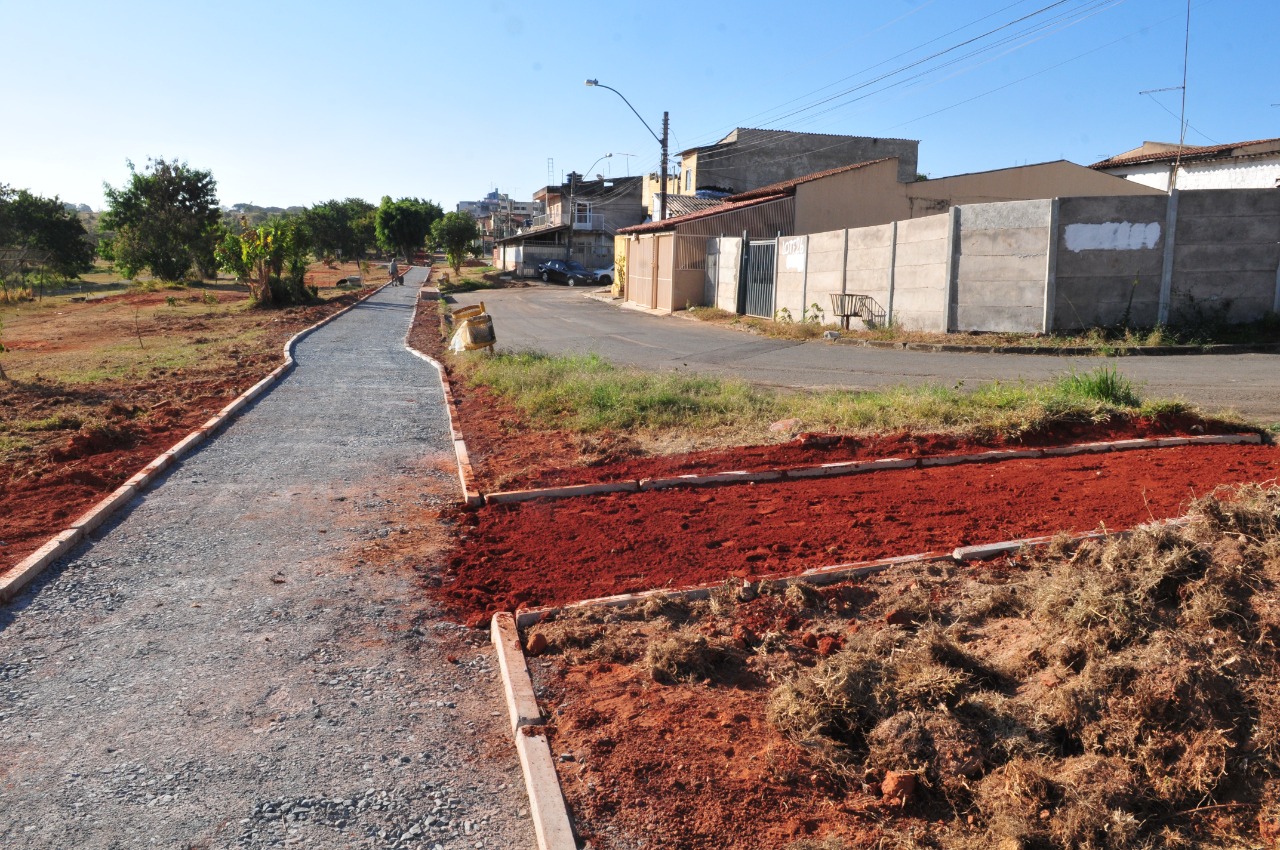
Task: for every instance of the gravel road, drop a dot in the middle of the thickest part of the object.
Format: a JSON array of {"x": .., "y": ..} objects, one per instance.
[{"x": 244, "y": 659}]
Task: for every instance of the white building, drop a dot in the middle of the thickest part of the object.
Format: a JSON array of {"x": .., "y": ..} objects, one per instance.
[{"x": 1240, "y": 165}]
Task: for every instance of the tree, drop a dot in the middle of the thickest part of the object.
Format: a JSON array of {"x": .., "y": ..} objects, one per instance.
[
  {"x": 454, "y": 232},
  {"x": 343, "y": 228},
  {"x": 165, "y": 219},
  {"x": 259, "y": 255},
  {"x": 54, "y": 235},
  {"x": 402, "y": 226}
]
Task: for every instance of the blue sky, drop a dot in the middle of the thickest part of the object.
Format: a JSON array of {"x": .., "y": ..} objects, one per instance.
[{"x": 295, "y": 103}]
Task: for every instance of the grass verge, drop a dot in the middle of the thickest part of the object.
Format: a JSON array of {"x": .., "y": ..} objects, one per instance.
[
  {"x": 1197, "y": 332},
  {"x": 585, "y": 394}
]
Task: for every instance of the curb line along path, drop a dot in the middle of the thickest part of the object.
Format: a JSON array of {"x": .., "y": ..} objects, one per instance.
[{"x": 220, "y": 667}]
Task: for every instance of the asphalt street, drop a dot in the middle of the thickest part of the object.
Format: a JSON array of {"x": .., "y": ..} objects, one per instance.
[{"x": 559, "y": 319}]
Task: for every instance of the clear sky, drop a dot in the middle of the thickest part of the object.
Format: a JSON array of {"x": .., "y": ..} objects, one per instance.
[{"x": 297, "y": 102}]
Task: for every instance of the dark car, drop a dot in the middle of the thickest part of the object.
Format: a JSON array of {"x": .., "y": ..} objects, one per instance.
[{"x": 571, "y": 273}]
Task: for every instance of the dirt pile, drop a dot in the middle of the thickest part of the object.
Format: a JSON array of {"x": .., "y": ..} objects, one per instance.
[{"x": 1117, "y": 694}]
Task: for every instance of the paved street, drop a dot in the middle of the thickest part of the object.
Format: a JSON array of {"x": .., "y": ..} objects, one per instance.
[
  {"x": 561, "y": 319},
  {"x": 245, "y": 659}
]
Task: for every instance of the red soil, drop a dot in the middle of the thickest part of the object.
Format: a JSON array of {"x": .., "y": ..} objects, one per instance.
[{"x": 552, "y": 552}]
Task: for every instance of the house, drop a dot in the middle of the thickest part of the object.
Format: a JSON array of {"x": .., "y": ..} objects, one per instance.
[
  {"x": 850, "y": 196},
  {"x": 1239, "y": 165},
  {"x": 581, "y": 219},
  {"x": 749, "y": 158}
]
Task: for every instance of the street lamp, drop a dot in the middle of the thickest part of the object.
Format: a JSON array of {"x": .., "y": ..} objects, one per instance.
[{"x": 662, "y": 197}]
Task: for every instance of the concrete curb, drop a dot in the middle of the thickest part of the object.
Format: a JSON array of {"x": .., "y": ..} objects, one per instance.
[
  {"x": 547, "y": 807},
  {"x": 852, "y": 467},
  {"x": 466, "y": 474},
  {"x": 987, "y": 551},
  {"x": 21, "y": 574}
]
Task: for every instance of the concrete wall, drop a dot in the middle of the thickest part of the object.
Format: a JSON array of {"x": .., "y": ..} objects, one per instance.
[
  {"x": 869, "y": 263},
  {"x": 858, "y": 198},
  {"x": 792, "y": 268},
  {"x": 920, "y": 274},
  {"x": 1000, "y": 262},
  {"x": 1109, "y": 261},
  {"x": 721, "y": 286},
  {"x": 1253, "y": 173},
  {"x": 1055, "y": 265},
  {"x": 1225, "y": 257}
]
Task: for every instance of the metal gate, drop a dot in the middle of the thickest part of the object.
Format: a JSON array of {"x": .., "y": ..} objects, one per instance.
[{"x": 759, "y": 263}]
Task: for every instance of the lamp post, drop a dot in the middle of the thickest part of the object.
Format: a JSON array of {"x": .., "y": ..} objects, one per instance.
[
  {"x": 573, "y": 207},
  {"x": 662, "y": 197}
]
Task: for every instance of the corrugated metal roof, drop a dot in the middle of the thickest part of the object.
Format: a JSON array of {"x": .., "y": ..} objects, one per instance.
[
  {"x": 1189, "y": 152},
  {"x": 685, "y": 204}
]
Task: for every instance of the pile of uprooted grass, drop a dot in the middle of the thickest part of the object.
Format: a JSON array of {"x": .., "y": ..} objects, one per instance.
[
  {"x": 1121, "y": 694},
  {"x": 586, "y": 394}
]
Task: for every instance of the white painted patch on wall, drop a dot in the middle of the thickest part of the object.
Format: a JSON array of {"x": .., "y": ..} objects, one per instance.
[
  {"x": 793, "y": 253},
  {"x": 1112, "y": 236}
]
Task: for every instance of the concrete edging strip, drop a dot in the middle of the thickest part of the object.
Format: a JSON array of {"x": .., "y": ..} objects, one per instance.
[
  {"x": 517, "y": 687},
  {"x": 20, "y": 574},
  {"x": 851, "y": 467},
  {"x": 466, "y": 475},
  {"x": 547, "y": 807}
]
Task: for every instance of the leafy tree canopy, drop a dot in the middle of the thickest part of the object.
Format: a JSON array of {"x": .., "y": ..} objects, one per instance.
[
  {"x": 402, "y": 226},
  {"x": 53, "y": 233},
  {"x": 165, "y": 219},
  {"x": 454, "y": 232},
  {"x": 343, "y": 228}
]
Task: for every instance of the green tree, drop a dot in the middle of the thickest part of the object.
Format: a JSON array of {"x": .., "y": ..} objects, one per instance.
[
  {"x": 454, "y": 232},
  {"x": 402, "y": 226},
  {"x": 165, "y": 219},
  {"x": 55, "y": 235},
  {"x": 260, "y": 255},
  {"x": 341, "y": 228}
]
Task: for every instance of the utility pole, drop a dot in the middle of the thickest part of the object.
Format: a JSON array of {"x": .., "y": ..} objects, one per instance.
[
  {"x": 662, "y": 202},
  {"x": 568, "y": 242}
]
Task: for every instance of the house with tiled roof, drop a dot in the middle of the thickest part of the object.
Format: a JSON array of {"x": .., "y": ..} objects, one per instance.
[
  {"x": 581, "y": 219},
  {"x": 1238, "y": 165}
]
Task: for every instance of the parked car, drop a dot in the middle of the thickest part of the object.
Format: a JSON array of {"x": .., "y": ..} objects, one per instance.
[
  {"x": 566, "y": 272},
  {"x": 604, "y": 276}
]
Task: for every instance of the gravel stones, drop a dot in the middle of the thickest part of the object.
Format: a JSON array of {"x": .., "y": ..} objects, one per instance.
[{"x": 230, "y": 664}]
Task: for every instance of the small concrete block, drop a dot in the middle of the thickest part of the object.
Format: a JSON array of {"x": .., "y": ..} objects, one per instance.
[
  {"x": 851, "y": 467},
  {"x": 162, "y": 462},
  {"x": 711, "y": 478},
  {"x": 1228, "y": 439},
  {"x": 1164, "y": 442},
  {"x": 1125, "y": 445},
  {"x": 517, "y": 687},
  {"x": 102, "y": 511},
  {"x": 980, "y": 457},
  {"x": 187, "y": 443},
  {"x": 551, "y": 825},
  {"x": 21, "y": 574},
  {"x": 510, "y": 496},
  {"x": 140, "y": 480},
  {"x": 1076, "y": 449}
]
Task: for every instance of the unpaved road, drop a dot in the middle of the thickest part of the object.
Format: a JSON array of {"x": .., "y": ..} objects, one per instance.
[
  {"x": 239, "y": 661},
  {"x": 558, "y": 319}
]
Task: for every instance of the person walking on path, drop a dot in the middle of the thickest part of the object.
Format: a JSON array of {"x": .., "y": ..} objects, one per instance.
[{"x": 395, "y": 272}]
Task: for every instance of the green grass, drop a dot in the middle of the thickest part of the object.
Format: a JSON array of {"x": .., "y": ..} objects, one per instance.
[{"x": 586, "y": 394}]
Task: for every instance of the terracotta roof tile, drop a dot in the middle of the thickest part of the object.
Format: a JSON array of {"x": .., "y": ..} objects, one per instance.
[
  {"x": 1188, "y": 152},
  {"x": 727, "y": 206}
]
